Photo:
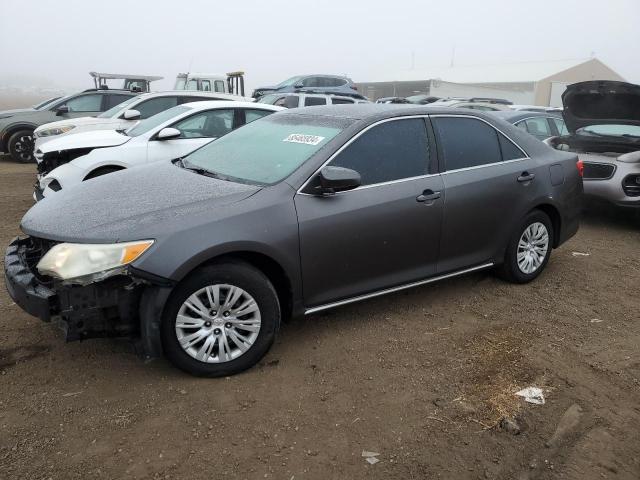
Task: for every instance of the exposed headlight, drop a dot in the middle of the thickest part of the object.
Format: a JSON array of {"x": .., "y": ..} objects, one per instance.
[
  {"x": 51, "y": 132},
  {"x": 85, "y": 263}
]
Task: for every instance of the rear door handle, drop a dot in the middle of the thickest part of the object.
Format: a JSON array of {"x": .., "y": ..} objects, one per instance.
[
  {"x": 427, "y": 196},
  {"x": 526, "y": 177}
]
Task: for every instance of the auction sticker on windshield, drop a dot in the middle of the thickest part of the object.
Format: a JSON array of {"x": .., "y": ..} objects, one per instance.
[{"x": 306, "y": 139}]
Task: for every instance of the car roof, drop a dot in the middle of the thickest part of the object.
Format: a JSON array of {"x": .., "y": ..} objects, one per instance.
[
  {"x": 108, "y": 90},
  {"x": 375, "y": 111},
  {"x": 206, "y": 104},
  {"x": 516, "y": 115}
]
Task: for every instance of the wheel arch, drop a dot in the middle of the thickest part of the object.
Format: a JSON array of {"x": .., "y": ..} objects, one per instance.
[
  {"x": 266, "y": 264},
  {"x": 556, "y": 220},
  {"x": 11, "y": 129}
]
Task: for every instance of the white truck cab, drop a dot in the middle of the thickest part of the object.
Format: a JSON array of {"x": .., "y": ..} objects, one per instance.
[{"x": 232, "y": 82}]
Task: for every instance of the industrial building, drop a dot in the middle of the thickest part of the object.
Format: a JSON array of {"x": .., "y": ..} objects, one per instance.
[{"x": 527, "y": 83}]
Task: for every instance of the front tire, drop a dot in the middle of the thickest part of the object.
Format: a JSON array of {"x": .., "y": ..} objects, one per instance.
[
  {"x": 529, "y": 249},
  {"x": 20, "y": 146},
  {"x": 221, "y": 320}
]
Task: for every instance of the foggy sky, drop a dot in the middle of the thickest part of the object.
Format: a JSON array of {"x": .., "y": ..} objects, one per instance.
[{"x": 271, "y": 40}]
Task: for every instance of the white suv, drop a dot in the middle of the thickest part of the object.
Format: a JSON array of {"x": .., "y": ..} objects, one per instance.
[
  {"x": 125, "y": 114},
  {"x": 295, "y": 100}
]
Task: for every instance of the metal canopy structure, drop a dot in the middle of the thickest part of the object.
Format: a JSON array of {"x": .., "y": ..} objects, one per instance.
[{"x": 131, "y": 81}]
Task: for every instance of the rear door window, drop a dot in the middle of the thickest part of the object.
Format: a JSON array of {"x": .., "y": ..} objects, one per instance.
[
  {"x": 290, "y": 101},
  {"x": 206, "y": 85},
  {"x": 390, "y": 151},
  {"x": 466, "y": 142},
  {"x": 562, "y": 128},
  {"x": 509, "y": 150},
  {"x": 115, "y": 99},
  {"x": 538, "y": 126},
  {"x": 219, "y": 86},
  {"x": 338, "y": 101},
  {"x": 153, "y": 106},
  {"x": 311, "y": 82},
  {"x": 251, "y": 115},
  {"x": 311, "y": 101}
]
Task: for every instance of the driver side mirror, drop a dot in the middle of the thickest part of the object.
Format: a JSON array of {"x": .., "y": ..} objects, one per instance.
[
  {"x": 168, "y": 133},
  {"x": 61, "y": 110},
  {"x": 131, "y": 115},
  {"x": 331, "y": 180}
]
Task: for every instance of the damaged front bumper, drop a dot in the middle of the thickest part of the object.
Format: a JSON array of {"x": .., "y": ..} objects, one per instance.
[{"x": 108, "y": 308}]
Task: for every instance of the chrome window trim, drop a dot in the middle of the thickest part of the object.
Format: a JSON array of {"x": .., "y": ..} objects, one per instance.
[
  {"x": 426, "y": 115},
  {"x": 353, "y": 139},
  {"x": 476, "y": 167},
  {"x": 385, "y": 291}
]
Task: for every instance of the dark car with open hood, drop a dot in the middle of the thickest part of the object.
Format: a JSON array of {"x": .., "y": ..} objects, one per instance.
[
  {"x": 603, "y": 119},
  {"x": 202, "y": 257}
]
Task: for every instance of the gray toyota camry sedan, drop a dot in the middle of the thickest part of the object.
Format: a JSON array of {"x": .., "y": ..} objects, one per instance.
[{"x": 202, "y": 257}]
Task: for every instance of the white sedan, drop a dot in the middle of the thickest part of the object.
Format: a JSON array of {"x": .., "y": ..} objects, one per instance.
[
  {"x": 125, "y": 114},
  {"x": 68, "y": 161}
]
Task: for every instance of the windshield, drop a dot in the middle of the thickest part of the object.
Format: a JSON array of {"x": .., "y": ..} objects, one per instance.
[
  {"x": 41, "y": 105},
  {"x": 290, "y": 81},
  {"x": 152, "y": 122},
  {"x": 114, "y": 111},
  {"x": 52, "y": 105},
  {"x": 180, "y": 81},
  {"x": 612, "y": 130},
  {"x": 266, "y": 151}
]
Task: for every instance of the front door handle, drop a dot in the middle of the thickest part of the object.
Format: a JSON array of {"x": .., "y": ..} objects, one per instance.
[
  {"x": 427, "y": 196},
  {"x": 526, "y": 177}
]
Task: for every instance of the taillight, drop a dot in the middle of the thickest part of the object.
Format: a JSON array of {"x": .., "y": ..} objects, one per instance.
[{"x": 580, "y": 167}]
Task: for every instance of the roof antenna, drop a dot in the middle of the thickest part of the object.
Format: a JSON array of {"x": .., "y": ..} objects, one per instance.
[{"x": 453, "y": 55}]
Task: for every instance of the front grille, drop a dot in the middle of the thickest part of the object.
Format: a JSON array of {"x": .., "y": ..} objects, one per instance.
[
  {"x": 631, "y": 185},
  {"x": 598, "y": 171}
]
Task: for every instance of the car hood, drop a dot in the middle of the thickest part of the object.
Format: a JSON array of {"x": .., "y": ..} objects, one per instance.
[
  {"x": 138, "y": 203},
  {"x": 92, "y": 139},
  {"x": 16, "y": 111},
  {"x": 82, "y": 121},
  {"x": 601, "y": 102}
]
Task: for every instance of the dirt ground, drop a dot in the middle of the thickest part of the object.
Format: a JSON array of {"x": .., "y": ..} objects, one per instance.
[{"x": 423, "y": 377}]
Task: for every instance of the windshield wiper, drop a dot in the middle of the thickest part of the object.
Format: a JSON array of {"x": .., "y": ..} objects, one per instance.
[{"x": 202, "y": 171}]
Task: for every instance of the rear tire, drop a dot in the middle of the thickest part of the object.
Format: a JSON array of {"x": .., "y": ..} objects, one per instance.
[
  {"x": 231, "y": 334},
  {"x": 20, "y": 146},
  {"x": 529, "y": 249}
]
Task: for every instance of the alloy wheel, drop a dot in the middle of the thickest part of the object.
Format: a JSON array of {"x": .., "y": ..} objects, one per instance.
[{"x": 24, "y": 148}]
